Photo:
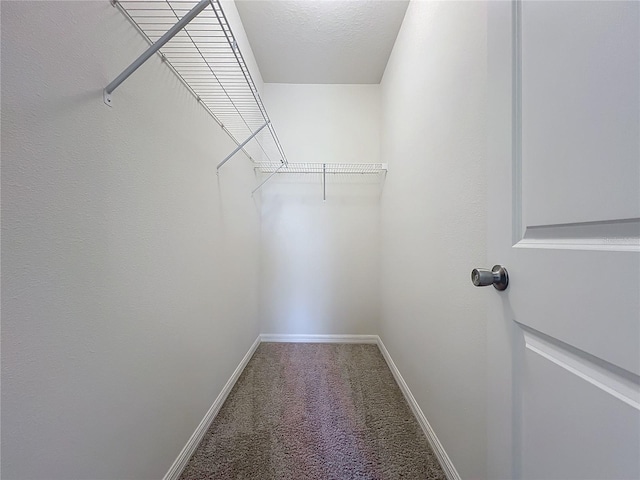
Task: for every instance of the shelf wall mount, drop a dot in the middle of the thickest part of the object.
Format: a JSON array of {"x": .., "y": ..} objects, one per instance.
[{"x": 154, "y": 48}]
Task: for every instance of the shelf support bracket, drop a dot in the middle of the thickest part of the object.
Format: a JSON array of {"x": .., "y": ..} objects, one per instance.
[
  {"x": 183, "y": 22},
  {"x": 267, "y": 179},
  {"x": 239, "y": 147},
  {"x": 324, "y": 182}
]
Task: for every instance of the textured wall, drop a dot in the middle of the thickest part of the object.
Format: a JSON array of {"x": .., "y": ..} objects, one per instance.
[
  {"x": 433, "y": 220},
  {"x": 129, "y": 269},
  {"x": 320, "y": 260}
]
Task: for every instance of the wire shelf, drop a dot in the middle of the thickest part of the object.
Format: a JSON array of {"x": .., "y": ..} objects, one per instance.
[
  {"x": 340, "y": 171},
  {"x": 206, "y": 56},
  {"x": 323, "y": 168},
  {"x": 194, "y": 38}
]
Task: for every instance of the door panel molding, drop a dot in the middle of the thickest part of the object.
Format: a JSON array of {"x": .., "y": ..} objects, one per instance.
[
  {"x": 575, "y": 113},
  {"x": 516, "y": 121},
  {"x": 572, "y": 429},
  {"x": 609, "y": 378},
  {"x": 608, "y": 235}
]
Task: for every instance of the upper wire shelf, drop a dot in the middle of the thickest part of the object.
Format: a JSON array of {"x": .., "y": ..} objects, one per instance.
[{"x": 195, "y": 39}]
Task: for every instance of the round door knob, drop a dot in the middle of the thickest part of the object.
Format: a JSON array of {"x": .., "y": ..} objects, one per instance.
[{"x": 497, "y": 276}]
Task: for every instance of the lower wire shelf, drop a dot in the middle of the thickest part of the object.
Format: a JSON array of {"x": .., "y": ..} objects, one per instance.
[
  {"x": 319, "y": 169},
  {"x": 324, "y": 168}
]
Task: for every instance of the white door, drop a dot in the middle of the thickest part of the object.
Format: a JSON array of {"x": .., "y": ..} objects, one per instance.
[{"x": 564, "y": 219}]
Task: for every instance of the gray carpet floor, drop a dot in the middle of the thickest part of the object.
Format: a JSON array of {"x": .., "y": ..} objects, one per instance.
[{"x": 305, "y": 411}]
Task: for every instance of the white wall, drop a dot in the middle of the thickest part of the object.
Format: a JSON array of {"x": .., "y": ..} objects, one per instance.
[
  {"x": 326, "y": 123},
  {"x": 129, "y": 269},
  {"x": 320, "y": 260},
  {"x": 433, "y": 220}
]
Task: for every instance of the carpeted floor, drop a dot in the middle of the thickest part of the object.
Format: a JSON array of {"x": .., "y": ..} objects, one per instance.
[{"x": 306, "y": 411}]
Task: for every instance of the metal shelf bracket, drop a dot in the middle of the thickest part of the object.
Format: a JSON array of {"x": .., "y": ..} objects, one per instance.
[
  {"x": 239, "y": 147},
  {"x": 266, "y": 179},
  {"x": 183, "y": 22}
]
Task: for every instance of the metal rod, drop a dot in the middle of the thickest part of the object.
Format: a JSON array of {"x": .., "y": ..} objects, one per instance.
[
  {"x": 324, "y": 182},
  {"x": 157, "y": 45},
  {"x": 239, "y": 147},
  {"x": 267, "y": 179}
]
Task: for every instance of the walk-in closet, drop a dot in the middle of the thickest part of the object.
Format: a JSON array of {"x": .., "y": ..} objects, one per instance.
[{"x": 258, "y": 239}]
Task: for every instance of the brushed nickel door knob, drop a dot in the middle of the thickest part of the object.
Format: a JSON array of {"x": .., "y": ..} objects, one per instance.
[{"x": 497, "y": 276}]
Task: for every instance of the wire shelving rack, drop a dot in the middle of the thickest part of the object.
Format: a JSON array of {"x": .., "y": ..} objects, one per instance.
[
  {"x": 194, "y": 39},
  {"x": 320, "y": 170}
]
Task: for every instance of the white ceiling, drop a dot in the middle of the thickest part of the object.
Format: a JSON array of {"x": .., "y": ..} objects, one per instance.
[{"x": 322, "y": 41}]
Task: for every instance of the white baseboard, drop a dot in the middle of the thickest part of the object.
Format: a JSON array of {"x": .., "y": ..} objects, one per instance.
[
  {"x": 276, "y": 337},
  {"x": 178, "y": 466},
  {"x": 446, "y": 463}
]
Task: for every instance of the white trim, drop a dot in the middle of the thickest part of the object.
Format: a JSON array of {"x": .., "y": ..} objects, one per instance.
[
  {"x": 616, "y": 385},
  {"x": 443, "y": 458},
  {"x": 276, "y": 337},
  {"x": 178, "y": 466}
]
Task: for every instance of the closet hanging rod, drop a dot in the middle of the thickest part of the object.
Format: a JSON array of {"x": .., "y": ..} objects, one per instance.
[{"x": 183, "y": 22}]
